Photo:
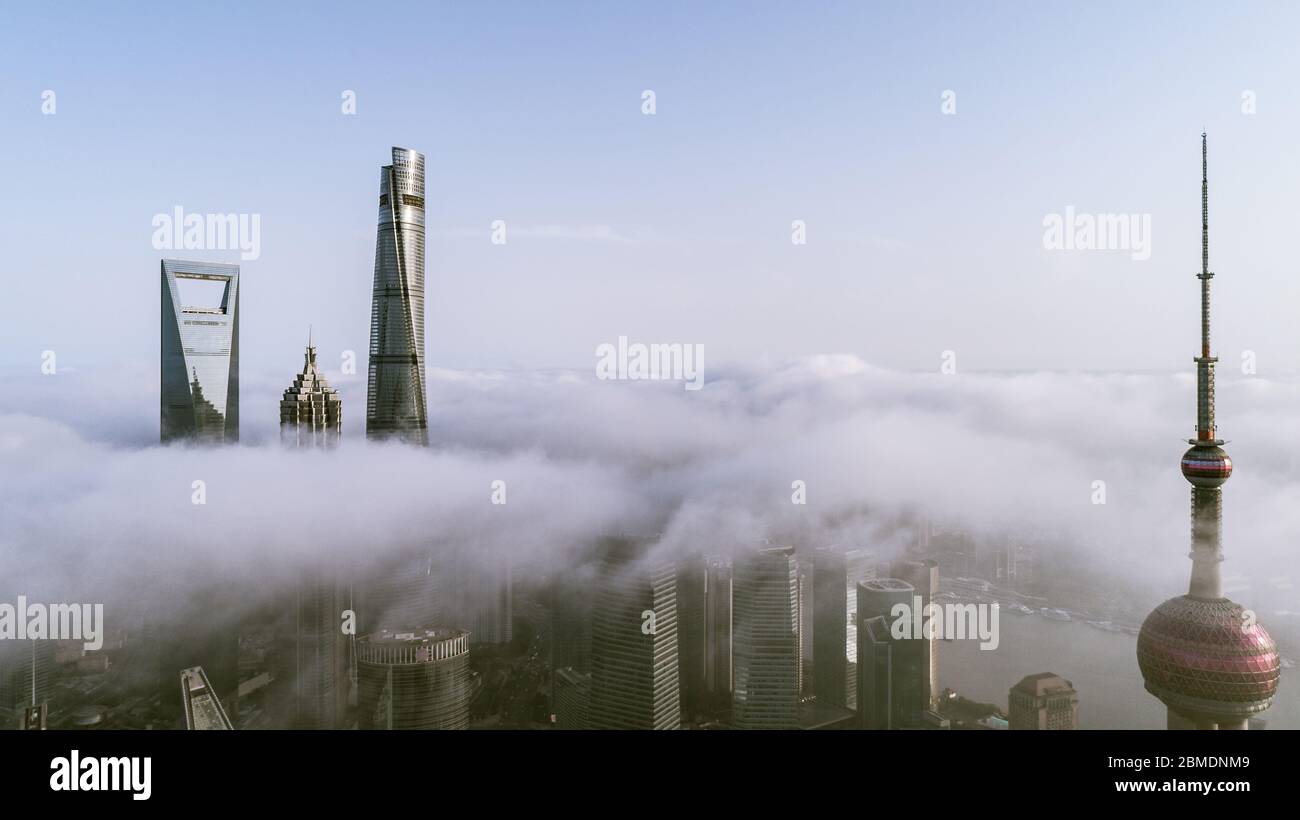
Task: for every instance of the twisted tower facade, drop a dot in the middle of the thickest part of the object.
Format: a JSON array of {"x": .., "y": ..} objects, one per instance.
[{"x": 395, "y": 396}]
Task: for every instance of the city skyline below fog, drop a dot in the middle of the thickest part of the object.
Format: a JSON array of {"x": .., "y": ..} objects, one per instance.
[
  {"x": 902, "y": 304},
  {"x": 994, "y": 457}
]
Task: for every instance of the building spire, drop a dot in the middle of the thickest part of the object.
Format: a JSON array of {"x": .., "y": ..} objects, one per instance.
[
  {"x": 1205, "y": 429},
  {"x": 1206, "y": 465},
  {"x": 1205, "y": 208}
]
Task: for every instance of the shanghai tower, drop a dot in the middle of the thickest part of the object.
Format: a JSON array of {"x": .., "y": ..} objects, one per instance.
[
  {"x": 395, "y": 398},
  {"x": 1205, "y": 657}
]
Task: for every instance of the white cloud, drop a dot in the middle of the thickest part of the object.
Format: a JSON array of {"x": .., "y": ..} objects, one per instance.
[{"x": 997, "y": 454}]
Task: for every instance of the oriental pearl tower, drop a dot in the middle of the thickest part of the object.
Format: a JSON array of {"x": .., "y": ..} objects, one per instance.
[{"x": 1204, "y": 656}]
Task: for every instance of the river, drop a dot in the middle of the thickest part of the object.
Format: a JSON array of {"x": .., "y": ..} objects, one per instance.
[{"x": 1102, "y": 665}]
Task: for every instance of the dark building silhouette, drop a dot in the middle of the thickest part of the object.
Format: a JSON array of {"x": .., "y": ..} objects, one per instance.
[
  {"x": 875, "y": 674},
  {"x": 908, "y": 657},
  {"x": 923, "y": 575}
]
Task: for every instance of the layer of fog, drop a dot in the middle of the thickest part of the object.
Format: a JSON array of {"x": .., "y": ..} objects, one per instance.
[{"x": 90, "y": 511}]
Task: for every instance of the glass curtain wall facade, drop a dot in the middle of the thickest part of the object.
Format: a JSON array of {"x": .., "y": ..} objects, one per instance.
[
  {"x": 766, "y": 641},
  {"x": 200, "y": 351},
  {"x": 395, "y": 402},
  {"x": 418, "y": 679}
]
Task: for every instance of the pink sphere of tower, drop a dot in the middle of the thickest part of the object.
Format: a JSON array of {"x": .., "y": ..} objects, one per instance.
[
  {"x": 1208, "y": 657},
  {"x": 1206, "y": 466}
]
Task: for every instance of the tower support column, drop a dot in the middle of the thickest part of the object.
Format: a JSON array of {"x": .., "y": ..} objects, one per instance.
[{"x": 1207, "y": 543}]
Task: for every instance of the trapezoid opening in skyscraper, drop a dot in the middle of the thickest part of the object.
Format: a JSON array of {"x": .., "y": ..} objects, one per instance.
[{"x": 199, "y": 399}]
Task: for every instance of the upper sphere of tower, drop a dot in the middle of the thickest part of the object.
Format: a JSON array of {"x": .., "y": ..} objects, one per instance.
[{"x": 1206, "y": 466}]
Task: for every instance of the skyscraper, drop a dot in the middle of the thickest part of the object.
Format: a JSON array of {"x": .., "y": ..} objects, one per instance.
[
  {"x": 923, "y": 575},
  {"x": 476, "y": 589},
  {"x": 570, "y": 605},
  {"x": 572, "y": 696},
  {"x": 1043, "y": 701},
  {"x": 199, "y": 399},
  {"x": 1202, "y": 655},
  {"x": 717, "y": 630},
  {"x": 875, "y": 674},
  {"x": 804, "y": 610},
  {"x": 25, "y": 677},
  {"x": 836, "y": 573},
  {"x": 692, "y": 598},
  {"x": 766, "y": 640},
  {"x": 315, "y": 661},
  {"x": 492, "y": 613},
  {"x": 395, "y": 401},
  {"x": 311, "y": 412},
  {"x": 417, "y": 679},
  {"x": 634, "y": 663},
  {"x": 907, "y": 658},
  {"x": 407, "y": 587},
  {"x": 314, "y": 653}
]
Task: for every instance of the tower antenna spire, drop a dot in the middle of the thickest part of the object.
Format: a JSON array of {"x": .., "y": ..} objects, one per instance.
[
  {"x": 1205, "y": 427},
  {"x": 1205, "y": 208}
]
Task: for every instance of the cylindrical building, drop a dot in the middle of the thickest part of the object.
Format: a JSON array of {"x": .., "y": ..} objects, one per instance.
[{"x": 417, "y": 679}]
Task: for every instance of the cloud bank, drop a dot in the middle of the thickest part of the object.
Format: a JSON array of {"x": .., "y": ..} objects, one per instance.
[{"x": 90, "y": 511}]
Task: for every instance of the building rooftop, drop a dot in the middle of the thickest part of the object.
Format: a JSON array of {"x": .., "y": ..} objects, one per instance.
[
  {"x": 202, "y": 709},
  {"x": 1044, "y": 683},
  {"x": 814, "y": 715},
  {"x": 885, "y": 584},
  {"x": 414, "y": 636}
]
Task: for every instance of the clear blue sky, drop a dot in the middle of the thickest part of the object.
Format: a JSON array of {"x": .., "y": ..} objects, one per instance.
[{"x": 925, "y": 231}]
